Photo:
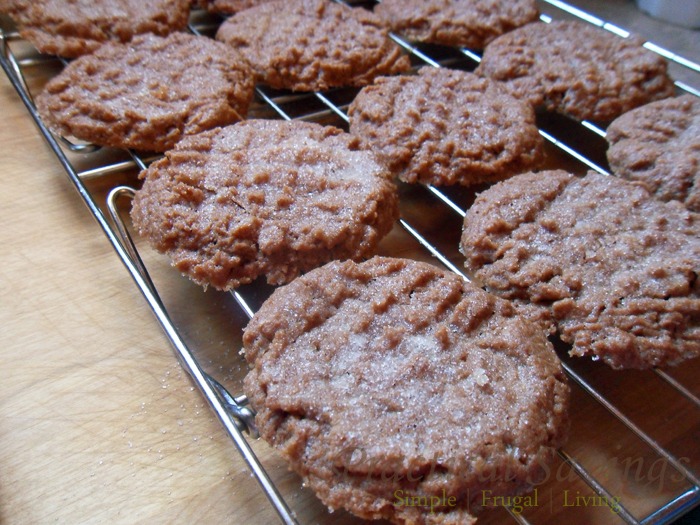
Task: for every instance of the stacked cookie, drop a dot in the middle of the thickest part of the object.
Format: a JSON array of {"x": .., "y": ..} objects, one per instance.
[{"x": 303, "y": 205}]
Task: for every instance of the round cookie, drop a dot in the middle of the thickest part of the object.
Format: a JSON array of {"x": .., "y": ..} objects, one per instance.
[
  {"x": 597, "y": 258},
  {"x": 577, "y": 69},
  {"x": 313, "y": 45},
  {"x": 465, "y": 23},
  {"x": 390, "y": 383},
  {"x": 659, "y": 145},
  {"x": 71, "y": 28},
  {"x": 445, "y": 126},
  {"x": 148, "y": 94},
  {"x": 261, "y": 197}
]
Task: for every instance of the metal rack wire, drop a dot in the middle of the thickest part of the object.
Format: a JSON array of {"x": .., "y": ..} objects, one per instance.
[{"x": 658, "y": 481}]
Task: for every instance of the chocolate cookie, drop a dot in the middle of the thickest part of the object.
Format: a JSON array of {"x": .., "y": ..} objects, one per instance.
[
  {"x": 269, "y": 198},
  {"x": 598, "y": 258},
  {"x": 659, "y": 145},
  {"x": 149, "y": 93},
  {"x": 72, "y": 28},
  {"x": 467, "y": 23},
  {"x": 400, "y": 391},
  {"x": 577, "y": 69},
  {"x": 313, "y": 45},
  {"x": 446, "y": 127}
]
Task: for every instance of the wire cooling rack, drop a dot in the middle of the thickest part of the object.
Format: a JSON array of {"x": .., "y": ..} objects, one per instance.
[{"x": 633, "y": 456}]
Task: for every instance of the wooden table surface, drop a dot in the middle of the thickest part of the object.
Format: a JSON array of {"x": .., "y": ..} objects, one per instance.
[{"x": 98, "y": 424}]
